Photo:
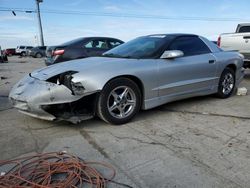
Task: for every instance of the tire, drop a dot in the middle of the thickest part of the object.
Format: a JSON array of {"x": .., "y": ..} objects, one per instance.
[
  {"x": 119, "y": 101},
  {"x": 226, "y": 84},
  {"x": 38, "y": 55},
  {"x": 23, "y": 54}
]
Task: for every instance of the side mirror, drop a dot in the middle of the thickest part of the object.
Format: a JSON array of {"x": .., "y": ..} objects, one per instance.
[{"x": 171, "y": 54}]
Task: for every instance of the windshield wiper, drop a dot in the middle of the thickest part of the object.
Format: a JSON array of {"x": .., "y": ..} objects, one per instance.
[
  {"x": 127, "y": 56},
  {"x": 110, "y": 55}
]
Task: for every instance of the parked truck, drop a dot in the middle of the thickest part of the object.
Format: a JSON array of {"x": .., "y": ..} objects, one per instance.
[{"x": 238, "y": 41}]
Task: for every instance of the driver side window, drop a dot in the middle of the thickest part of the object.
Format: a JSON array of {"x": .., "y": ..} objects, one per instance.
[{"x": 190, "y": 45}]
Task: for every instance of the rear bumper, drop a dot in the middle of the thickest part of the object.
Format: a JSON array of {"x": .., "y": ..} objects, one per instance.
[
  {"x": 48, "y": 61},
  {"x": 52, "y": 60}
]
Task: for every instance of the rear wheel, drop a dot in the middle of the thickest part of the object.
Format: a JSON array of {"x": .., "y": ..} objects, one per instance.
[
  {"x": 38, "y": 55},
  {"x": 119, "y": 101},
  {"x": 226, "y": 83}
]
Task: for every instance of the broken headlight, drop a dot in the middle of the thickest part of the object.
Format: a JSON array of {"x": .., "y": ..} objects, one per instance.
[{"x": 66, "y": 79}]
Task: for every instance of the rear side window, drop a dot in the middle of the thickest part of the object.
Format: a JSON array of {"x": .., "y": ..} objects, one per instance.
[
  {"x": 102, "y": 44},
  {"x": 244, "y": 29},
  {"x": 114, "y": 43},
  {"x": 42, "y": 47},
  {"x": 189, "y": 46}
]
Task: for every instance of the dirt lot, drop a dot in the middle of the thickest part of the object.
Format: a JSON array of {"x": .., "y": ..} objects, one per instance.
[{"x": 199, "y": 142}]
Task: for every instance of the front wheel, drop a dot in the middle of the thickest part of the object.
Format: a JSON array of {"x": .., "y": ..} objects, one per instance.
[
  {"x": 119, "y": 101},
  {"x": 226, "y": 83}
]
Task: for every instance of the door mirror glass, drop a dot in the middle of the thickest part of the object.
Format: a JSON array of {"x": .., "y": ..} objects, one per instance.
[{"x": 171, "y": 54}]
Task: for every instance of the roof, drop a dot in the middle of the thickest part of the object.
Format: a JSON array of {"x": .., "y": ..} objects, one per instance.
[{"x": 173, "y": 34}]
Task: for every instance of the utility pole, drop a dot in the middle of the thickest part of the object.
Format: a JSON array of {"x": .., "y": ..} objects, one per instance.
[{"x": 39, "y": 21}]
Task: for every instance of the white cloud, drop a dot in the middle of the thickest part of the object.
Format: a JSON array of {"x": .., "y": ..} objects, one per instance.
[
  {"x": 14, "y": 39},
  {"x": 225, "y": 7},
  {"x": 112, "y": 8},
  {"x": 59, "y": 34},
  {"x": 75, "y": 3}
]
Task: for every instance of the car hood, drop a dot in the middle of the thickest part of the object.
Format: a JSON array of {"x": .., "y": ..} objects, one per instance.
[{"x": 81, "y": 65}]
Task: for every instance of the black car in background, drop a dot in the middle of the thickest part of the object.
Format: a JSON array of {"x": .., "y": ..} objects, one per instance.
[
  {"x": 80, "y": 48},
  {"x": 38, "y": 51}
]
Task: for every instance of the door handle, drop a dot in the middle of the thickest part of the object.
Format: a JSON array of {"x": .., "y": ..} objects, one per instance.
[
  {"x": 211, "y": 61},
  {"x": 246, "y": 37}
]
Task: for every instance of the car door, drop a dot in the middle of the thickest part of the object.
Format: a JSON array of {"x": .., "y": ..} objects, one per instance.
[
  {"x": 192, "y": 73},
  {"x": 96, "y": 47}
]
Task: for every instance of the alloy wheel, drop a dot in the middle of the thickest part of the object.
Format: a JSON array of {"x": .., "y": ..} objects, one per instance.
[
  {"x": 227, "y": 83},
  {"x": 121, "y": 102}
]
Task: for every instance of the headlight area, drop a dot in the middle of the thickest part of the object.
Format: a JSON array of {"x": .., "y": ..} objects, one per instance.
[
  {"x": 74, "y": 112},
  {"x": 66, "y": 79}
]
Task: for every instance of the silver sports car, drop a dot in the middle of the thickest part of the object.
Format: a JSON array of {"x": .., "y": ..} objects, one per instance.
[{"x": 141, "y": 74}]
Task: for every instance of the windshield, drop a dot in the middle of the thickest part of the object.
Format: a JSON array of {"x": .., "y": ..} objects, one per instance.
[{"x": 139, "y": 48}]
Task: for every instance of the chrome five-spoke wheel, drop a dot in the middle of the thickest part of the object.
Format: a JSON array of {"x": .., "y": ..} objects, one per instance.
[
  {"x": 119, "y": 101},
  {"x": 226, "y": 83}
]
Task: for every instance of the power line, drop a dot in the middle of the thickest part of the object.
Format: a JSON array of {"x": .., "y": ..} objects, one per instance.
[{"x": 124, "y": 15}]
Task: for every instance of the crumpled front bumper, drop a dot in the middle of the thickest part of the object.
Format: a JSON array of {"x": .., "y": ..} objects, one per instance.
[{"x": 30, "y": 94}]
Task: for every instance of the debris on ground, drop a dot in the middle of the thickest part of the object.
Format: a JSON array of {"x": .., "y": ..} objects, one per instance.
[
  {"x": 230, "y": 144},
  {"x": 242, "y": 91},
  {"x": 5, "y": 83},
  {"x": 56, "y": 169}
]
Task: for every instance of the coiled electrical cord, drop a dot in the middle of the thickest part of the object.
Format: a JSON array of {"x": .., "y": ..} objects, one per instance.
[{"x": 55, "y": 169}]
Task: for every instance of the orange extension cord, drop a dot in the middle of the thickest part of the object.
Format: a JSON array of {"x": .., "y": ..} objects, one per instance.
[{"x": 55, "y": 169}]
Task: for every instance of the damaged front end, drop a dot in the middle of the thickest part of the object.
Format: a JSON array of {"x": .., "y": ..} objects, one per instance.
[{"x": 55, "y": 98}]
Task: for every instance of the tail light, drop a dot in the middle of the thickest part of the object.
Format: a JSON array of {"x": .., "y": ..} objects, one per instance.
[
  {"x": 58, "y": 52},
  {"x": 218, "y": 42}
]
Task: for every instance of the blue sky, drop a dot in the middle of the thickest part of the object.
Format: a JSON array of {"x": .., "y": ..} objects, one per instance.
[{"x": 22, "y": 29}]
